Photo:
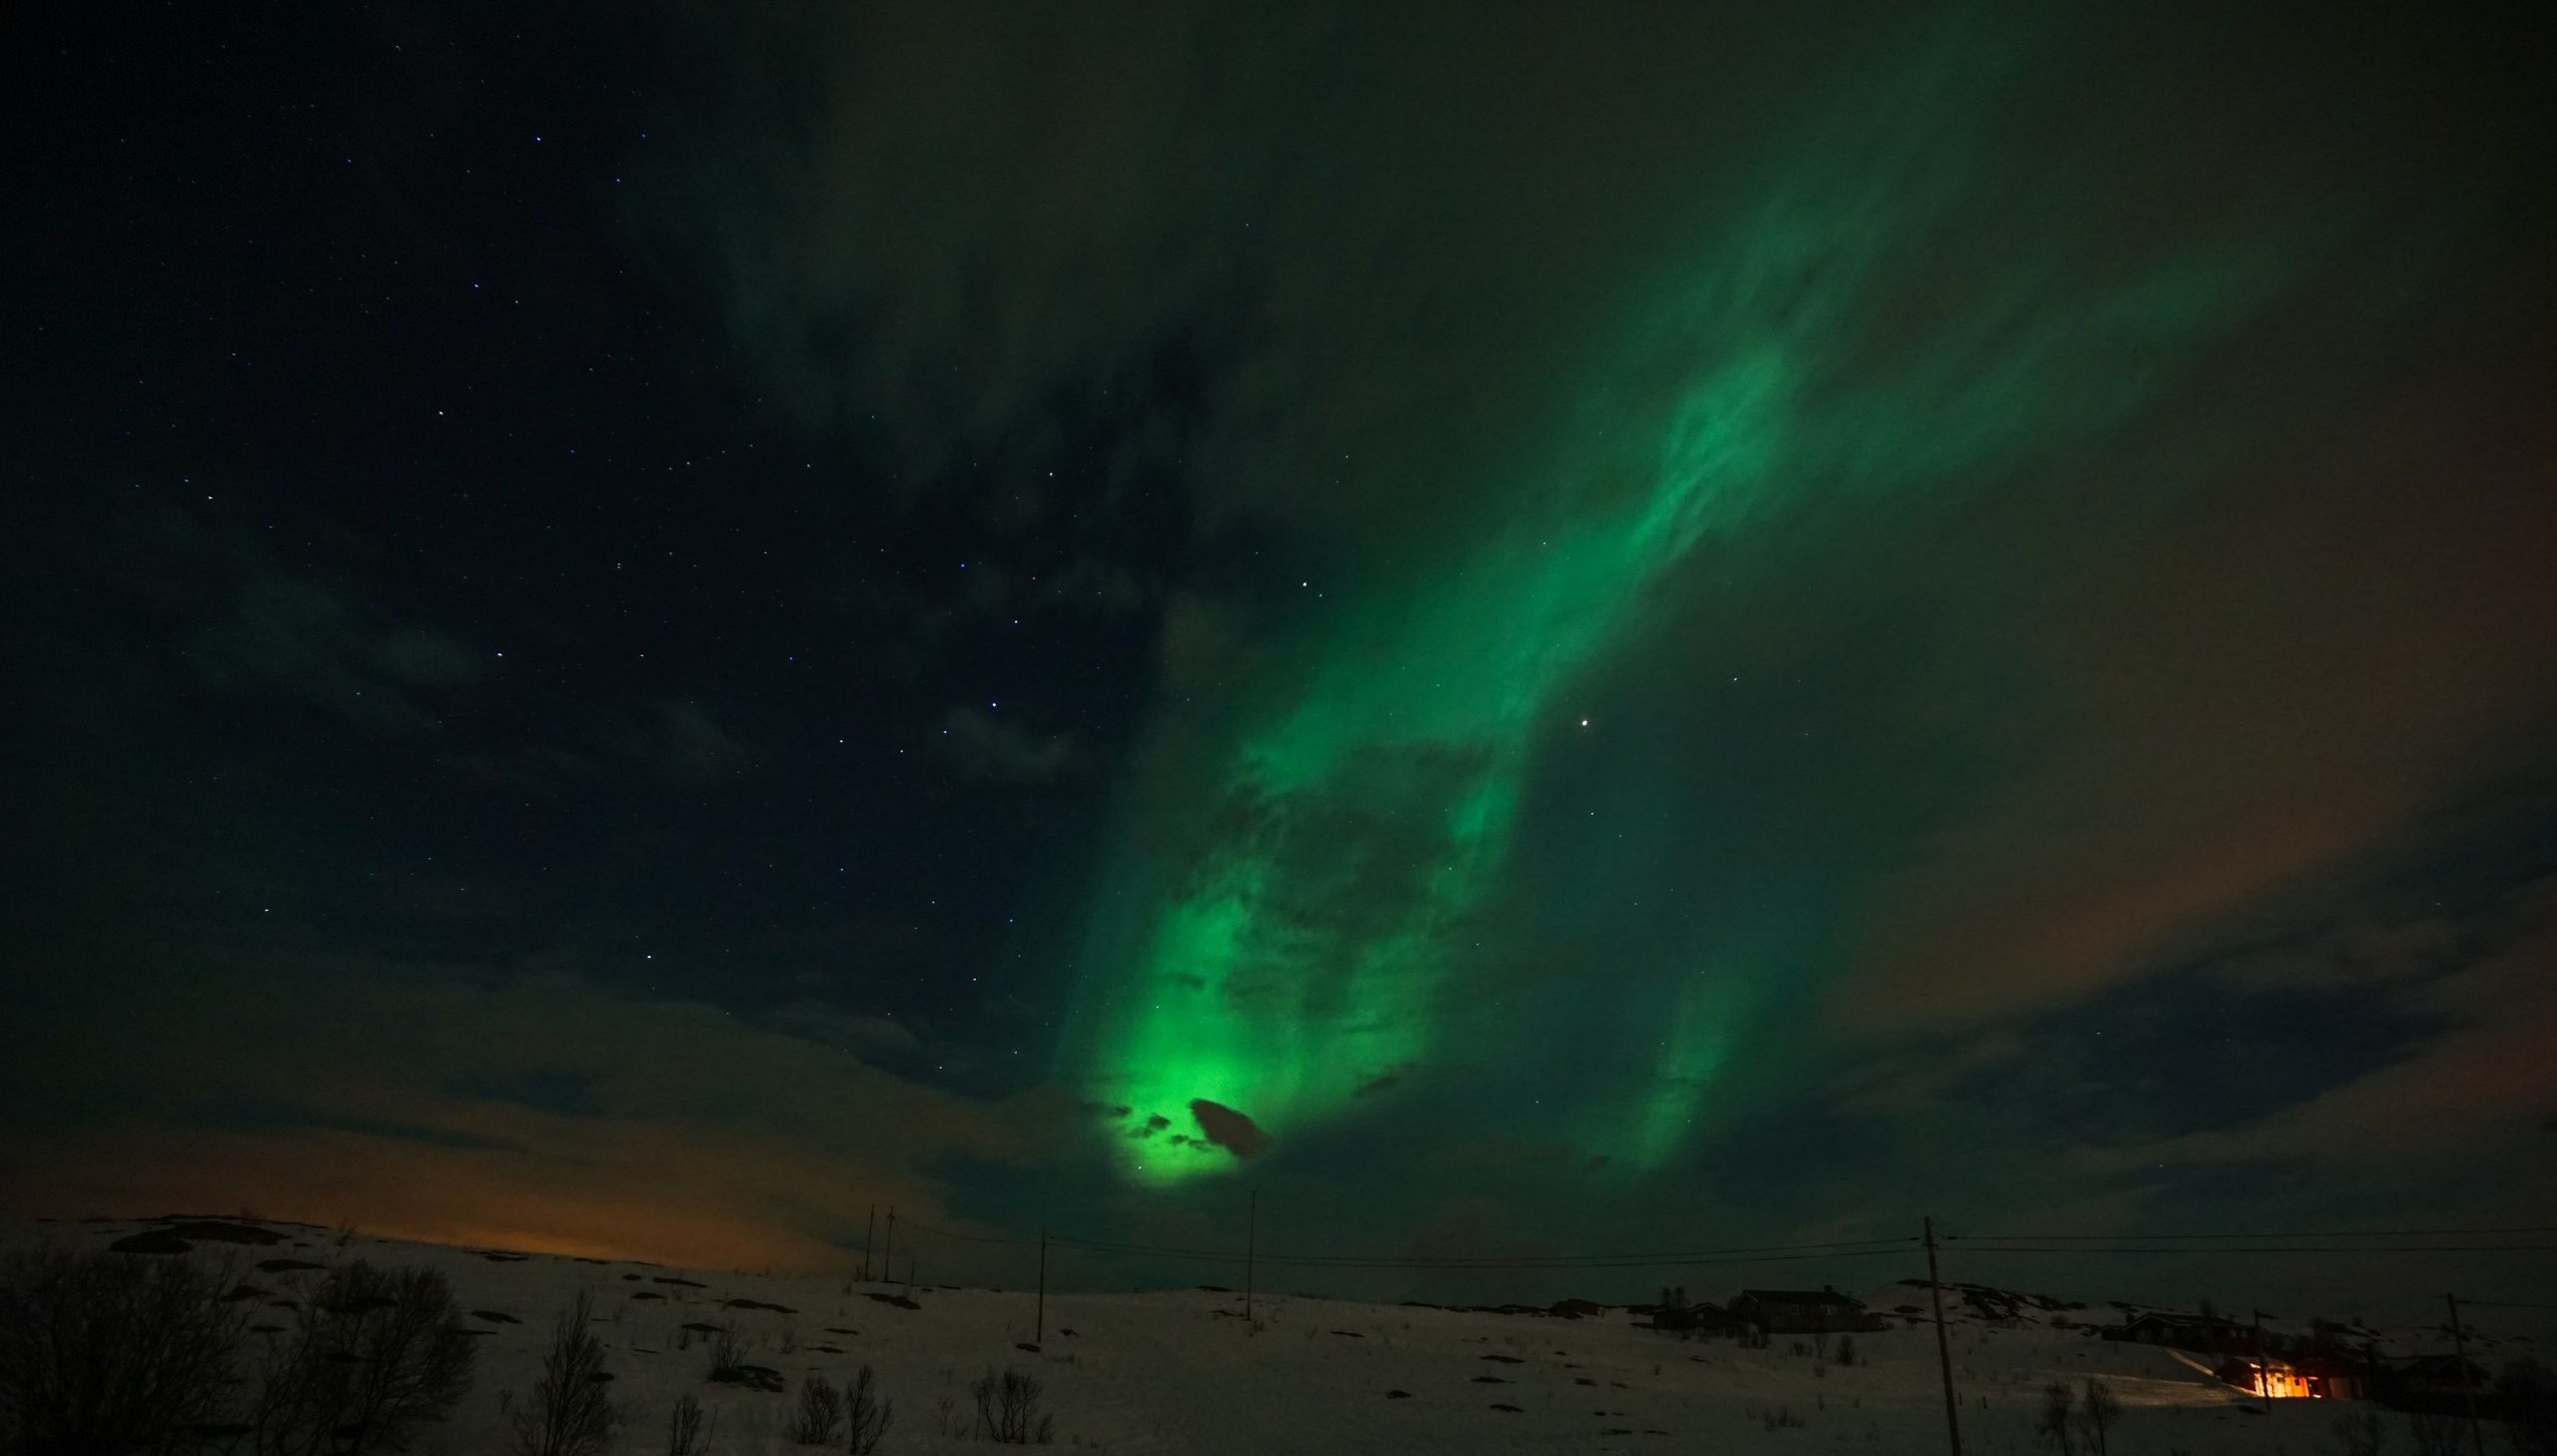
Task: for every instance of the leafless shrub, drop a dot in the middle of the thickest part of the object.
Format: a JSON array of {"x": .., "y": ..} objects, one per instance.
[
  {"x": 945, "y": 1415},
  {"x": 727, "y": 1351},
  {"x": 571, "y": 1412},
  {"x": 2436, "y": 1433},
  {"x": 866, "y": 1416},
  {"x": 2359, "y": 1433},
  {"x": 1782, "y": 1418},
  {"x": 2098, "y": 1411},
  {"x": 2055, "y": 1425},
  {"x": 688, "y": 1429},
  {"x": 2528, "y": 1393},
  {"x": 1846, "y": 1353},
  {"x": 112, "y": 1353},
  {"x": 1008, "y": 1410},
  {"x": 820, "y": 1414},
  {"x": 372, "y": 1355}
]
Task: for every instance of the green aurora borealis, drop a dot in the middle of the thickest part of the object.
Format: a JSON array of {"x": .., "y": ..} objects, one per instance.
[
  {"x": 1302, "y": 944},
  {"x": 1457, "y": 637}
]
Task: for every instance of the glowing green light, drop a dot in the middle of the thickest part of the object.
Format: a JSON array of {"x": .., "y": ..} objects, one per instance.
[{"x": 1300, "y": 942}]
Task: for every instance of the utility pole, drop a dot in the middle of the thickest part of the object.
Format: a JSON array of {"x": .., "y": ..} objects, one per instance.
[
  {"x": 2459, "y": 1348},
  {"x": 869, "y": 1230},
  {"x": 888, "y": 1255},
  {"x": 1944, "y": 1350},
  {"x": 1250, "y": 1243},
  {"x": 1039, "y": 1331},
  {"x": 2264, "y": 1367}
]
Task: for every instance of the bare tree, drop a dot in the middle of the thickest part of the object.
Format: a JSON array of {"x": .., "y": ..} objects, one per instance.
[
  {"x": 1008, "y": 1410},
  {"x": 570, "y": 1413},
  {"x": 2055, "y": 1426},
  {"x": 112, "y": 1353},
  {"x": 2436, "y": 1433},
  {"x": 820, "y": 1414},
  {"x": 727, "y": 1352},
  {"x": 2097, "y": 1414},
  {"x": 372, "y": 1355},
  {"x": 2528, "y": 1392},
  {"x": 2359, "y": 1433},
  {"x": 866, "y": 1416},
  {"x": 688, "y": 1429}
]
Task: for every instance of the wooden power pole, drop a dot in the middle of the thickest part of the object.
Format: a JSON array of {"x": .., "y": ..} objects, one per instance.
[
  {"x": 1944, "y": 1350},
  {"x": 2459, "y": 1350},
  {"x": 888, "y": 1255},
  {"x": 1251, "y": 1244},
  {"x": 1039, "y": 1330},
  {"x": 869, "y": 1231},
  {"x": 2263, "y": 1366}
]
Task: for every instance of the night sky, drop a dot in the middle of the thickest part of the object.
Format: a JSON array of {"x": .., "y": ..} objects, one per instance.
[{"x": 1525, "y": 630}]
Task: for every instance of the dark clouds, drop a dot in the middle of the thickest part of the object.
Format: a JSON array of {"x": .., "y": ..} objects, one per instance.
[
  {"x": 516, "y": 1106},
  {"x": 1320, "y": 258},
  {"x": 305, "y": 640},
  {"x": 986, "y": 746},
  {"x": 1227, "y": 1128}
]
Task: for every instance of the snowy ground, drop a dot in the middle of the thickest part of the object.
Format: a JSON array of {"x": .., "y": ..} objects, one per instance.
[{"x": 1184, "y": 1372}]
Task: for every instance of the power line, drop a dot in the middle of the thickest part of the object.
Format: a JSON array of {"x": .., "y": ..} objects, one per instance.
[
  {"x": 2361, "y": 1248},
  {"x": 1126, "y": 1248},
  {"x": 1773, "y": 1252},
  {"x": 1843, "y": 1247},
  {"x": 2182, "y": 1237},
  {"x": 2084, "y": 1245},
  {"x": 968, "y": 1238},
  {"x": 1511, "y": 1265}
]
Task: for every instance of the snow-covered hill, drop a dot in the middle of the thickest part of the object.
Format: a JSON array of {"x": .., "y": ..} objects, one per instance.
[{"x": 1186, "y": 1372}]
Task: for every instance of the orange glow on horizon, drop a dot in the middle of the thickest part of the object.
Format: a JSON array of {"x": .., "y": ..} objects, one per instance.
[{"x": 462, "y": 1198}]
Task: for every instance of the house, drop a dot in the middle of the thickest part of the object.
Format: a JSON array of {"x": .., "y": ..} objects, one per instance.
[
  {"x": 2436, "y": 1386},
  {"x": 1703, "y": 1317},
  {"x": 2307, "y": 1377},
  {"x": 1802, "y": 1311},
  {"x": 2204, "y": 1334}
]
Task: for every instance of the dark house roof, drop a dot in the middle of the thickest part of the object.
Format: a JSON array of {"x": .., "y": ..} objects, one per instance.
[
  {"x": 1692, "y": 1316},
  {"x": 2438, "y": 1367},
  {"x": 1800, "y": 1296},
  {"x": 2170, "y": 1320}
]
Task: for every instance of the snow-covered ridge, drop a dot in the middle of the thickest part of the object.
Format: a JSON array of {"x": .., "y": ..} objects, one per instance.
[{"x": 1186, "y": 1372}]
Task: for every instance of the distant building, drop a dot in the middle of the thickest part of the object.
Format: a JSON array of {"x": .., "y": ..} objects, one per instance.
[
  {"x": 2204, "y": 1334},
  {"x": 2309, "y": 1377},
  {"x": 2434, "y": 1384},
  {"x": 1802, "y": 1311},
  {"x": 1699, "y": 1318}
]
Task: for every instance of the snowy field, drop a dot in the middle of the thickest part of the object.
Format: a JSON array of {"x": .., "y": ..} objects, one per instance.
[{"x": 1184, "y": 1372}]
